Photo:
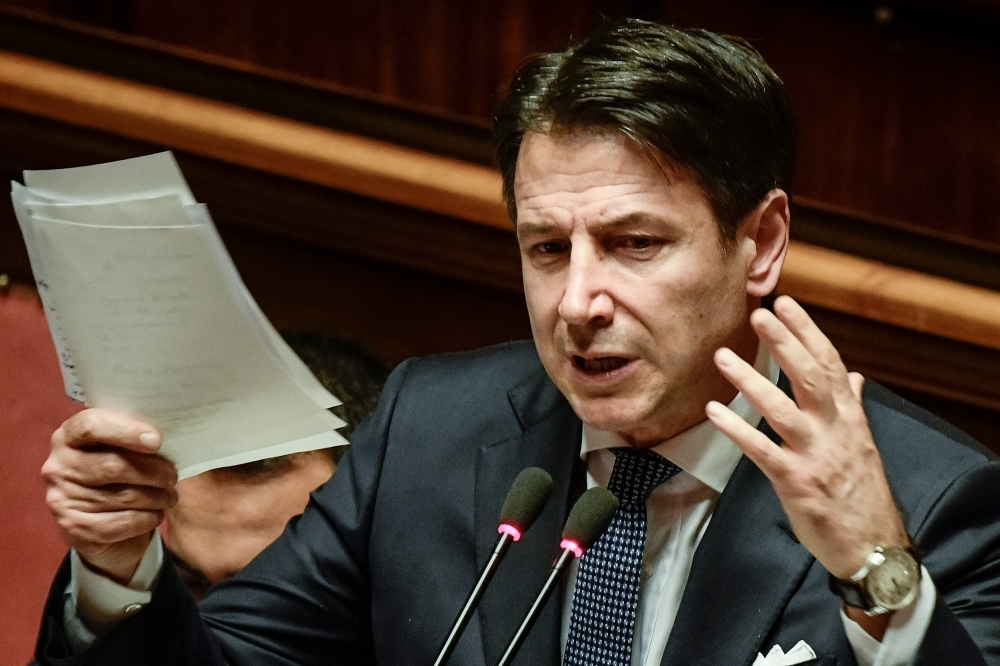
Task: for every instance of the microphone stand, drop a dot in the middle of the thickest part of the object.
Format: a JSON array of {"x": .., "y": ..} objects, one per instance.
[
  {"x": 558, "y": 569},
  {"x": 503, "y": 543}
]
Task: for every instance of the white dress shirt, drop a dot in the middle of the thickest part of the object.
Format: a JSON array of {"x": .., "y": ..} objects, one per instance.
[{"x": 678, "y": 512}]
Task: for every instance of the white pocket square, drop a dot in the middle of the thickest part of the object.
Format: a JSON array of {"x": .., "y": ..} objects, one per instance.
[{"x": 776, "y": 657}]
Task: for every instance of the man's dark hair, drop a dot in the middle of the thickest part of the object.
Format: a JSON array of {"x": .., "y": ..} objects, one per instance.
[{"x": 704, "y": 103}]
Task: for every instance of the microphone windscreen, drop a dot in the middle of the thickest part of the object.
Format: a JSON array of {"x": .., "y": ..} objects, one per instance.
[
  {"x": 526, "y": 498},
  {"x": 590, "y": 516}
]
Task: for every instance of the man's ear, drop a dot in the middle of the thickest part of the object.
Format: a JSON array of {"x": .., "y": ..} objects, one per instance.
[{"x": 767, "y": 227}]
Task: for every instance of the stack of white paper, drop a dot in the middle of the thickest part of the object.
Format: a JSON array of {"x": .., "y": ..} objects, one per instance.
[{"x": 150, "y": 317}]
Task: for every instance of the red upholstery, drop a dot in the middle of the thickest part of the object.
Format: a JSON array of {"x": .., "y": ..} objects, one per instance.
[{"x": 32, "y": 405}]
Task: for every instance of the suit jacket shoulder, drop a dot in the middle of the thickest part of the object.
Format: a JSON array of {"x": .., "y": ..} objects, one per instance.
[
  {"x": 923, "y": 455},
  {"x": 902, "y": 416}
]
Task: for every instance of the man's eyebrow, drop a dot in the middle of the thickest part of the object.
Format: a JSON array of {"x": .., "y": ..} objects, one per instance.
[
  {"x": 528, "y": 229},
  {"x": 534, "y": 228},
  {"x": 629, "y": 220}
]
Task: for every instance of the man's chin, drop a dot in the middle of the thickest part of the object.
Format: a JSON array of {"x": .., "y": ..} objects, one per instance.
[{"x": 613, "y": 414}]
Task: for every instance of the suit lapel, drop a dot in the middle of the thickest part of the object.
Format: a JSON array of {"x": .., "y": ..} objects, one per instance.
[
  {"x": 550, "y": 439},
  {"x": 745, "y": 570}
]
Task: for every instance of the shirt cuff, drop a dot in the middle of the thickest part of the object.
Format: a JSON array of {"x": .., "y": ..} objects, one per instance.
[
  {"x": 906, "y": 631},
  {"x": 96, "y": 604}
]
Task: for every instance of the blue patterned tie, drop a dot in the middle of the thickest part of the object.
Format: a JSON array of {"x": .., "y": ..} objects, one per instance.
[{"x": 607, "y": 582}]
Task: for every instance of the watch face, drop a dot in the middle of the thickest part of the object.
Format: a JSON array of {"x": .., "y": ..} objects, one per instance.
[{"x": 893, "y": 583}]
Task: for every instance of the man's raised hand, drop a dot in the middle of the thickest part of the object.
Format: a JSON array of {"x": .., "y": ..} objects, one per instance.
[
  {"x": 108, "y": 488},
  {"x": 827, "y": 474}
]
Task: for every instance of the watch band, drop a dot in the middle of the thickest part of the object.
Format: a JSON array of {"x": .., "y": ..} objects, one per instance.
[{"x": 851, "y": 593}]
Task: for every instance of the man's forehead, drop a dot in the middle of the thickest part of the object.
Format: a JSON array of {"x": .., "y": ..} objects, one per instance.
[
  {"x": 544, "y": 154},
  {"x": 597, "y": 179},
  {"x": 577, "y": 163}
]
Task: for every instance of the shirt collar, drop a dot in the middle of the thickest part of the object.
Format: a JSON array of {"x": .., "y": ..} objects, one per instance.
[{"x": 702, "y": 450}]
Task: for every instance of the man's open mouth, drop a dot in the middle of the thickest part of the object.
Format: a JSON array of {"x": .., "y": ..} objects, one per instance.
[{"x": 599, "y": 364}]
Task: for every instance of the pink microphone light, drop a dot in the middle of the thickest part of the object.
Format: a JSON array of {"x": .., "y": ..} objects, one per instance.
[
  {"x": 506, "y": 528},
  {"x": 572, "y": 546}
]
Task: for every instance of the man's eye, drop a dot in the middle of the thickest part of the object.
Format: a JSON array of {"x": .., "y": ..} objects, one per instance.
[
  {"x": 551, "y": 247},
  {"x": 638, "y": 243}
]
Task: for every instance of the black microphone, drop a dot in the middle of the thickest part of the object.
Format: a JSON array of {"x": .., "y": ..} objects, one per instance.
[
  {"x": 525, "y": 500},
  {"x": 588, "y": 519}
]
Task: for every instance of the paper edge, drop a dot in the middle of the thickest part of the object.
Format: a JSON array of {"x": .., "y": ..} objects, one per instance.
[{"x": 324, "y": 440}]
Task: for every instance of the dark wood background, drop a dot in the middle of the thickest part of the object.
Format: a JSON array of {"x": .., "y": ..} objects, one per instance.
[
  {"x": 898, "y": 102},
  {"x": 886, "y": 162},
  {"x": 406, "y": 283}
]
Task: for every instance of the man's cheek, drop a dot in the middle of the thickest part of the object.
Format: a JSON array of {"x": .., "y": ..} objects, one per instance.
[
  {"x": 543, "y": 312},
  {"x": 553, "y": 352}
]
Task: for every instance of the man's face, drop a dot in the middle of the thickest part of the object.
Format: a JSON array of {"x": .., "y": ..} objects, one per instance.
[
  {"x": 629, "y": 289},
  {"x": 223, "y": 519}
]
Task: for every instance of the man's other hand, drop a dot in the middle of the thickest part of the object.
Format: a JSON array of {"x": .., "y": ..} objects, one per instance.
[
  {"x": 828, "y": 473},
  {"x": 108, "y": 488}
]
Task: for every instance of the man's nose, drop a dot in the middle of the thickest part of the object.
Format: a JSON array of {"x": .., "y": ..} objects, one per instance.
[{"x": 585, "y": 300}]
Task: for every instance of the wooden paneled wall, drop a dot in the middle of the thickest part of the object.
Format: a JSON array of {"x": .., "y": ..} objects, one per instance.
[
  {"x": 407, "y": 282},
  {"x": 341, "y": 216},
  {"x": 899, "y": 104}
]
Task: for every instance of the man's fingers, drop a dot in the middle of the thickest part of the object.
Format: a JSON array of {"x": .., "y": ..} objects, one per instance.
[
  {"x": 107, "y": 487},
  {"x": 68, "y": 496},
  {"x": 857, "y": 382},
  {"x": 103, "y": 466},
  {"x": 805, "y": 329},
  {"x": 771, "y": 402},
  {"x": 810, "y": 381},
  {"x": 88, "y": 529},
  {"x": 100, "y": 426},
  {"x": 767, "y": 455}
]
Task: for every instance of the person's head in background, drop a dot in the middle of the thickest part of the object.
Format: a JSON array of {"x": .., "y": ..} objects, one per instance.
[{"x": 225, "y": 517}]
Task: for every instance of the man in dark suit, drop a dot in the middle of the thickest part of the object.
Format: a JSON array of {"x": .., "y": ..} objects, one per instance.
[{"x": 647, "y": 170}]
